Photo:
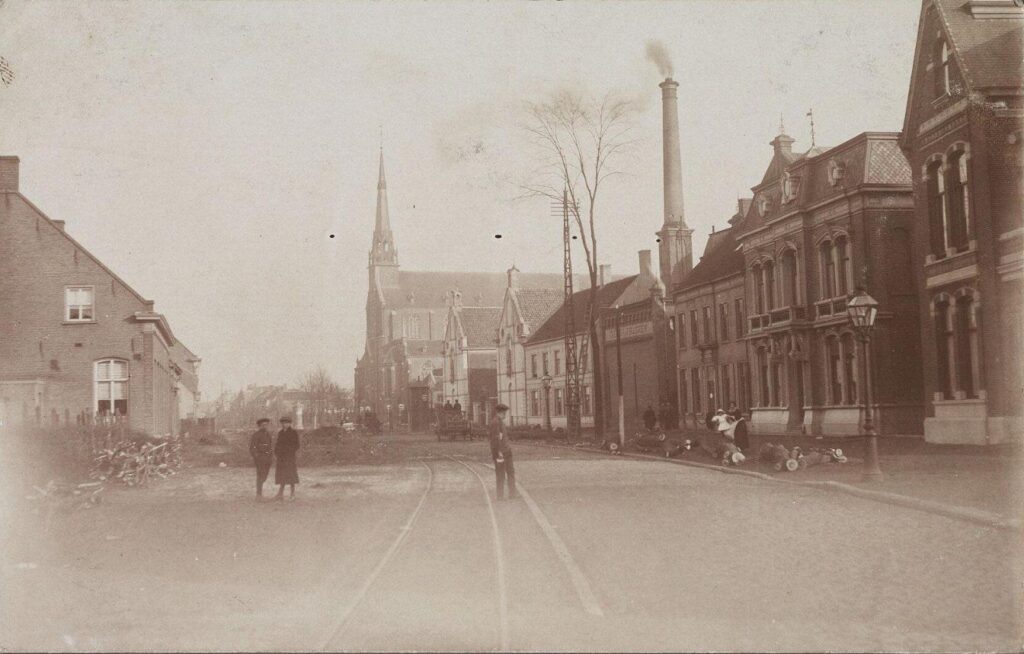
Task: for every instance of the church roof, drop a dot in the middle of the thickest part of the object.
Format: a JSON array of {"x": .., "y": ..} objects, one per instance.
[
  {"x": 480, "y": 325},
  {"x": 554, "y": 326},
  {"x": 429, "y": 289}
]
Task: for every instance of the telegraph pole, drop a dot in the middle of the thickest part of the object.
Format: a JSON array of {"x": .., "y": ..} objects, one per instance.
[{"x": 572, "y": 366}]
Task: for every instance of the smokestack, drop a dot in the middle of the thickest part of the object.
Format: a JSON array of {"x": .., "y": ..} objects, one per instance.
[
  {"x": 645, "y": 263},
  {"x": 9, "y": 173},
  {"x": 671, "y": 165},
  {"x": 604, "y": 274}
]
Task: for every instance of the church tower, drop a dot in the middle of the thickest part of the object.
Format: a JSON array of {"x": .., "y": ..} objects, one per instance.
[
  {"x": 675, "y": 249},
  {"x": 383, "y": 263}
]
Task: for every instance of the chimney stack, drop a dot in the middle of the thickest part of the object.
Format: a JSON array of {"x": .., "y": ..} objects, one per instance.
[
  {"x": 671, "y": 166},
  {"x": 645, "y": 263},
  {"x": 9, "y": 173},
  {"x": 513, "y": 277},
  {"x": 783, "y": 144},
  {"x": 604, "y": 274}
]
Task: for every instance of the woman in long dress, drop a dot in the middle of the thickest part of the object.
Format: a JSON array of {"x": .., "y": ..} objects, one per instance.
[{"x": 287, "y": 470}]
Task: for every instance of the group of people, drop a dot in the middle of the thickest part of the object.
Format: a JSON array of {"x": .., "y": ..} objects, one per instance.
[
  {"x": 265, "y": 450},
  {"x": 730, "y": 424},
  {"x": 456, "y": 408},
  {"x": 666, "y": 417}
]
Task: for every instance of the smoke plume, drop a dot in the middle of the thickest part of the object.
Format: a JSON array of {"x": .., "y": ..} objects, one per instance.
[{"x": 658, "y": 53}]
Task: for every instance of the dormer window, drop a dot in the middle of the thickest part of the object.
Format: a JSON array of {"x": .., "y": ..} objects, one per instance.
[
  {"x": 790, "y": 187},
  {"x": 764, "y": 204},
  {"x": 836, "y": 172}
]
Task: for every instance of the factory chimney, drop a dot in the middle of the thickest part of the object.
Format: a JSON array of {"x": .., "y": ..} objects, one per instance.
[{"x": 675, "y": 257}]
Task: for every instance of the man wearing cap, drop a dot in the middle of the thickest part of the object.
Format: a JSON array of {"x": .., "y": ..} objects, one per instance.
[
  {"x": 287, "y": 471},
  {"x": 501, "y": 453},
  {"x": 261, "y": 448}
]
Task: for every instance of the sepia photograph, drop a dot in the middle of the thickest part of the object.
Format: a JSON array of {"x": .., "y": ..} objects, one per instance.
[{"x": 509, "y": 326}]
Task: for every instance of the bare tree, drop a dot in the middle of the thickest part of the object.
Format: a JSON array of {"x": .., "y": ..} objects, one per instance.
[
  {"x": 578, "y": 139},
  {"x": 322, "y": 394}
]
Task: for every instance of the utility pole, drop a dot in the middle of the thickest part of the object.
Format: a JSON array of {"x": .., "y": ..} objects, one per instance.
[
  {"x": 618, "y": 366},
  {"x": 572, "y": 367}
]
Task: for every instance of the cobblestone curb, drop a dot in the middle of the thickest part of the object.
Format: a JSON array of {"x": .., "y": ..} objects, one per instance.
[{"x": 966, "y": 514}]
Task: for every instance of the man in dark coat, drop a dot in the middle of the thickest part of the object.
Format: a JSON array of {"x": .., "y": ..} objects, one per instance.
[
  {"x": 650, "y": 418},
  {"x": 457, "y": 407},
  {"x": 501, "y": 453},
  {"x": 285, "y": 450},
  {"x": 261, "y": 449}
]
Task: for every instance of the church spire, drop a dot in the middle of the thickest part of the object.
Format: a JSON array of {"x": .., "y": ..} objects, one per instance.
[{"x": 383, "y": 250}]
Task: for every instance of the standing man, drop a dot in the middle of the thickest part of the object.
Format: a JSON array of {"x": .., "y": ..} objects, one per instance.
[
  {"x": 650, "y": 419},
  {"x": 261, "y": 448},
  {"x": 501, "y": 453},
  {"x": 287, "y": 471}
]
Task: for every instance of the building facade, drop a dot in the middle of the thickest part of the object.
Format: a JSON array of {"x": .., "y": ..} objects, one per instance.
[
  {"x": 963, "y": 137},
  {"x": 710, "y": 328},
  {"x": 77, "y": 343},
  {"x": 821, "y": 225},
  {"x": 470, "y": 375},
  {"x": 523, "y": 311}
]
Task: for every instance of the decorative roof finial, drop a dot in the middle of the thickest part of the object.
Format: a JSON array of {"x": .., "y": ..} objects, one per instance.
[
  {"x": 782, "y": 125},
  {"x": 810, "y": 113}
]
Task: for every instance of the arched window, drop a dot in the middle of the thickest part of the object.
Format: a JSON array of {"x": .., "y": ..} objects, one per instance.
[
  {"x": 958, "y": 215},
  {"x": 966, "y": 346},
  {"x": 828, "y": 270},
  {"x": 944, "y": 346},
  {"x": 111, "y": 387},
  {"x": 769, "y": 285},
  {"x": 790, "y": 285},
  {"x": 936, "y": 209},
  {"x": 764, "y": 398},
  {"x": 758, "y": 275},
  {"x": 508, "y": 361},
  {"x": 942, "y": 77},
  {"x": 850, "y": 368},
  {"x": 844, "y": 272}
]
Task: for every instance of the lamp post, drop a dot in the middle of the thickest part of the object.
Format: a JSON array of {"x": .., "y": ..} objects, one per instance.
[
  {"x": 546, "y": 380},
  {"x": 618, "y": 367},
  {"x": 862, "y": 310}
]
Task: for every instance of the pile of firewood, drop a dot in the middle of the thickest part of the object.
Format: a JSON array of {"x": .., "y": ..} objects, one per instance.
[{"x": 134, "y": 463}]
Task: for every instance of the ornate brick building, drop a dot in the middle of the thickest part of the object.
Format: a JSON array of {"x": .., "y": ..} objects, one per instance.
[
  {"x": 963, "y": 137},
  {"x": 821, "y": 224}
]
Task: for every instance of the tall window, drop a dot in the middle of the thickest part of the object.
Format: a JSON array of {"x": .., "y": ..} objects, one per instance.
[
  {"x": 965, "y": 345},
  {"x": 111, "y": 381},
  {"x": 762, "y": 373},
  {"x": 942, "y": 77},
  {"x": 790, "y": 296},
  {"x": 726, "y": 387},
  {"x": 843, "y": 272},
  {"x": 828, "y": 270},
  {"x": 944, "y": 347},
  {"x": 695, "y": 390},
  {"x": 769, "y": 285},
  {"x": 834, "y": 362},
  {"x": 534, "y": 403},
  {"x": 758, "y": 276},
  {"x": 776, "y": 383},
  {"x": 684, "y": 398},
  {"x": 681, "y": 332},
  {"x": 582, "y": 358},
  {"x": 723, "y": 321},
  {"x": 743, "y": 384},
  {"x": 741, "y": 328},
  {"x": 508, "y": 362},
  {"x": 694, "y": 334},
  {"x": 586, "y": 401},
  {"x": 558, "y": 362},
  {"x": 850, "y": 368},
  {"x": 413, "y": 327},
  {"x": 958, "y": 215},
  {"x": 78, "y": 304},
  {"x": 544, "y": 362},
  {"x": 559, "y": 402},
  {"x": 451, "y": 367},
  {"x": 709, "y": 333},
  {"x": 533, "y": 366},
  {"x": 936, "y": 209}
]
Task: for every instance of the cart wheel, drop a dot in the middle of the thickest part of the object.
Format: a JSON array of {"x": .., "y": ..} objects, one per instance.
[
  {"x": 838, "y": 452},
  {"x": 661, "y": 438},
  {"x": 792, "y": 465}
]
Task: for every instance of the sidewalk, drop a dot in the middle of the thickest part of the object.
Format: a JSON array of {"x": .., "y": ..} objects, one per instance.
[{"x": 987, "y": 478}]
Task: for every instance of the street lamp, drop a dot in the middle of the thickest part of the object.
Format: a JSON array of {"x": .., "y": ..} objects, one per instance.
[
  {"x": 862, "y": 310},
  {"x": 546, "y": 381},
  {"x": 618, "y": 365}
]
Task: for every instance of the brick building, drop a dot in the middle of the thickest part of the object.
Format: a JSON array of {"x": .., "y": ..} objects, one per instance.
[
  {"x": 76, "y": 341},
  {"x": 470, "y": 375},
  {"x": 962, "y": 134},
  {"x": 639, "y": 332},
  {"x": 821, "y": 224},
  {"x": 710, "y": 324}
]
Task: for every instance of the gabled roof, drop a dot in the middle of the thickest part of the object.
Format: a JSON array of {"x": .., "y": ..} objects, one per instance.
[
  {"x": 554, "y": 326},
  {"x": 720, "y": 259},
  {"x": 537, "y": 304},
  {"x": 429, "y": 289},
  {"x": 479, "y": 325},
  {"x": 989, "y": 52}
]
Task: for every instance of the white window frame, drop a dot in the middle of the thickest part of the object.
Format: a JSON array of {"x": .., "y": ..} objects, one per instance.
[
  {"x": 68, "y": 306},
  {"x": 110, "y": 380}
]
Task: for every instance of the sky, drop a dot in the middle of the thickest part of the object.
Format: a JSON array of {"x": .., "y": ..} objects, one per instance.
[{"x": 207, "y": 151}]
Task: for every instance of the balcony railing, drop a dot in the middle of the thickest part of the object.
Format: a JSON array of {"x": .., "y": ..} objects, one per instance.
[
  {"x": 778, "y": 317},
  {"x": 830, "y": 307}
]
